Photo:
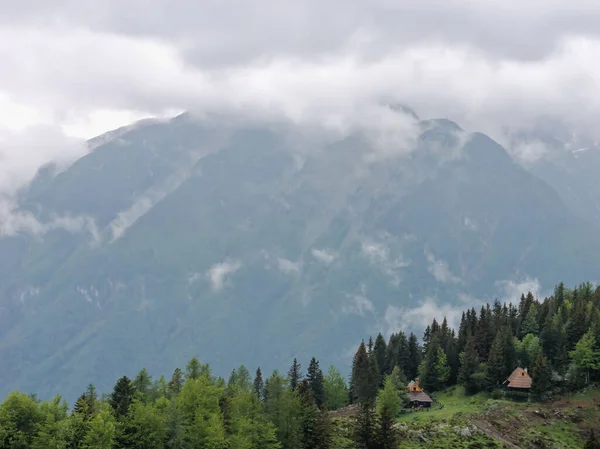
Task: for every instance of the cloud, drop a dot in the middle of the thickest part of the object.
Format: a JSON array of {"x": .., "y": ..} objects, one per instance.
[
  {"x": 379, "y": 254},
  {"x": 359, "y": 304},
  {"x": 324, "y": 255},
  {"x": 440, "y": 270},
  {"x": 13, "y": 222},
  {"x": 417, "y": 317},
  {"x": 287, "y": 266},
  {"x": 22, "y": 152},
  {"x": 528, "y": 152},
  {"x": 219, "y": 272},
  {"x": 511, "y": 291},
  {"x": 87, "y": 68}
]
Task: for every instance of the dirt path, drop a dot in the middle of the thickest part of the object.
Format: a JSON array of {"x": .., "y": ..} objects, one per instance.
[{"x": 491, "y": 432}]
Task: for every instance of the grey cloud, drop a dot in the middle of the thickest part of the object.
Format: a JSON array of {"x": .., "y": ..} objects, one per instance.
[
  {"x": 21, "y": 154},
  {"x": 231, "y": 32}
]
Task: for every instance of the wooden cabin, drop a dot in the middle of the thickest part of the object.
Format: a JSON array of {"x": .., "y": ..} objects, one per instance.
[
  {"x": 416, "y": 395},
  {"x": 519, "y": 380}
]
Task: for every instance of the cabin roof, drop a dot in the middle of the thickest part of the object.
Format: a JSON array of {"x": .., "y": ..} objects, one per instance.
[
  {"x": 419, "y": 396},
  {"x": 413, "y": 386},
  {"x": 519, "y": 378}
]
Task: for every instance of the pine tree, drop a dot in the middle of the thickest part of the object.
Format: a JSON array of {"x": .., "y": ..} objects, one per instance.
[
  {"x": 122, "y": 396},
  {"x": 295, "y": 375},
  {"x": 434, "y": 371},
  {"x": 530, "y": 323},
  {"x": 586, "y": 354},
  {"x": 388, "y": 398},
  {"x": 244, "y": 381},
  {"x": 82, "y": 408},
  {"x": 402, "y": 353},
  {"x": 143, "y": 382},
  {"x": 541, "y": 376},
  {"x": 365, "y": 428},
  {"x": 496, "y": 362},
  {"x": 379, "y": 351},
  {"x": 315, "y": 379},
  {"x": 463, "y": 332},
  {"x": 259, "y": 386},
  {"x": 469, "y": 365},
  {"x": 336, "y": 392},
  {"x": 365, "y": 376},
  {"x": 577, "y": 323},
  {"x": 484, "y": 334},
  {"x": 391, "y": 354},
  {"x": 193, "y": 369},
  {"x": 92, "y": 398},
  {"x": 386, "y": 434},
  {"x": 176, "y": 382},
  {"x": 414, "y": 357}
]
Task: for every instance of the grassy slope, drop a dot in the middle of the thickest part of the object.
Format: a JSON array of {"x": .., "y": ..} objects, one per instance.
[{"x": 560, "y": 423}]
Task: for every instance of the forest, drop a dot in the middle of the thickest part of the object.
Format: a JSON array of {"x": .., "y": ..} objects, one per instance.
[{"x": 557, "y": 339}]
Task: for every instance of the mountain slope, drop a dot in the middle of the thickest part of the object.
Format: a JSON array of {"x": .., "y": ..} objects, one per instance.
[{"x": 230, "y": 244}]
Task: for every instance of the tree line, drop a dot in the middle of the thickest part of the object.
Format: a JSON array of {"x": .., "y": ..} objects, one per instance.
[{"x": 558, "y": 339}]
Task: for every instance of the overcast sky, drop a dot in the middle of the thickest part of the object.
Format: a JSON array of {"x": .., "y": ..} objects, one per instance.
[{"x": 78, "y": 68}]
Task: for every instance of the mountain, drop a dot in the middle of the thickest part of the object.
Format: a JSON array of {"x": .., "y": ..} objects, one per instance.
[
  {"x": 259, "y": 243},
  {"x": 566, "y": 161}
]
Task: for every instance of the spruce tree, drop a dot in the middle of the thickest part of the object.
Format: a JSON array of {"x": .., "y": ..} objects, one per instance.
[
  {"x": 365, "y": 376},
  {"x": 469, "y": 364},
  {"x": 496, "y": 363},
  {"x": 315, "y": 379},
  {"x": 402, "y": 353},
  {"x": 176, "y": 382},
  {"x": 484, "y": 334},
  {"x": 541, "y": 376},
  {"x": 379, "y": 351},
  {"x": 434, "y": 371},
  {"x": 143, "y": 382},
  {"x": 244, "y": 381},
  {"x": 193, "y": 369},
  {"x": 365, "y": 427},
  {"x": 259, "y": 386},
  {"x": 387, "y": 437},
  {"x": 295, "y": 375},
  {"x": 414, "y": 357},
  {"x": 530, "y": 323},
  {"x": 122, "y": 396},
  {"x": 336, "y": 392},
  {"x": 391, "y": 356}
]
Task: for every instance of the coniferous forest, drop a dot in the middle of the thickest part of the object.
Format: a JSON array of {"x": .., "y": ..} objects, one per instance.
[{"x": 557, "y": 339}]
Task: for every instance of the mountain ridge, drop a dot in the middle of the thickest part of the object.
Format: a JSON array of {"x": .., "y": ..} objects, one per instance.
[{"x": 243, "y": 240}]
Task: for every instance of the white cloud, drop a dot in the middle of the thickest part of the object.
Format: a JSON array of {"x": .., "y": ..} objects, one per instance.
[
  {"x": 402, "y": 318},
  {"x": 378, "y": 254},
  {"x": 218, "y": 273},
  {"x": 511, "y": 291},
  {"x": 359, "y": 304},
  {"x": 324, "y": 255},
  {"x": 13, "y": 222},
  {"x": 440, "y": 270},
  {"x": 528, "y": 152},
  {"x": 287, "y": 266}
]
